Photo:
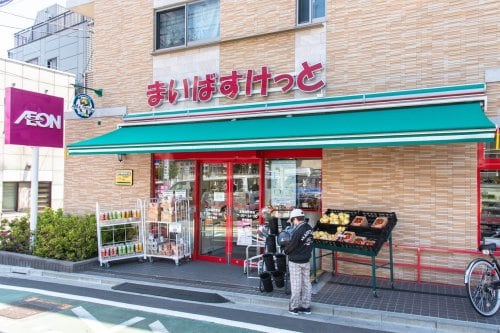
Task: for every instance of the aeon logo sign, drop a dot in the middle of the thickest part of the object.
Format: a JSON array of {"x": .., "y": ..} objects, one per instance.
[{"x": 33, "y": 118}]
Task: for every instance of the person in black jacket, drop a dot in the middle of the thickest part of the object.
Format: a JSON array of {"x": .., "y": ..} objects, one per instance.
[{"x": 299, "y": 251}]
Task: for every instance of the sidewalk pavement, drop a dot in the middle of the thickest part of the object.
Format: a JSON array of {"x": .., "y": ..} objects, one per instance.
[{"x": 340, "y": 299}]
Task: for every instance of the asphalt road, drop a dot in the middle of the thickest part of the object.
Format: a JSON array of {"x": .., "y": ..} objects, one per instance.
[{"x": 38, "y": 306}]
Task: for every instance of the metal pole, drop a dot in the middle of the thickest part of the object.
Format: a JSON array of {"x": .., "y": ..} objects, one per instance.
[{"x": 34, "y": 194}]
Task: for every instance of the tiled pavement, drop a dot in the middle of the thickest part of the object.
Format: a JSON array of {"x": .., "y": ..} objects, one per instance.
[{"x": 422, "y": 299}]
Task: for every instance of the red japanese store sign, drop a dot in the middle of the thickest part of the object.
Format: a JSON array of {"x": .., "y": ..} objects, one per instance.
[{"x": 203, "y": 90}]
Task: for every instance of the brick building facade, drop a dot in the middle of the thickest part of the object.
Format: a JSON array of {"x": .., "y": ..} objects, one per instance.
[{"x": 366, "y": 47}]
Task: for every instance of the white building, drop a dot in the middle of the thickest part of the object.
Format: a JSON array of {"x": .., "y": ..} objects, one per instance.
[
  {"x": 59, "y": 39},
  {"x": 16, "y": 160}
]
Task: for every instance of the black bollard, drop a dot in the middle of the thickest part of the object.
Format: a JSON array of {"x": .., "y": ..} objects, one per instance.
[{"x": 266, "y": 282}]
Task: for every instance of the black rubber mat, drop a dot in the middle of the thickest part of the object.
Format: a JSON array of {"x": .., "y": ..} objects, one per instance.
[{"x": 187, "y": 295}]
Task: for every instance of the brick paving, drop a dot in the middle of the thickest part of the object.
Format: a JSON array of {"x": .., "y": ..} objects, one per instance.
[{"x": 424, "y": 299}]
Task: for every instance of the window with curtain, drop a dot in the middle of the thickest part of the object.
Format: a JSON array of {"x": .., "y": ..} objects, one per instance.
[
  {"x": 309, "y": 11},
  {"x": 192, "y": 23}
]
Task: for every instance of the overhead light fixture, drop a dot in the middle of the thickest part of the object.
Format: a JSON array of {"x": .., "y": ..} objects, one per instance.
[{"x": 120, "y": 157}]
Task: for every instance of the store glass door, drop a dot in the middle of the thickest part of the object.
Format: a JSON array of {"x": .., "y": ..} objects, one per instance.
[
  {"x": 213, "y": 208},
  {"x": 229, "y": 205},
  {"x": 245, "y": 208}
]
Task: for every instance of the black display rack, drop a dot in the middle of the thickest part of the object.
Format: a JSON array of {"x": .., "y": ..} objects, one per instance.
[{"x": 378, "y": 238}]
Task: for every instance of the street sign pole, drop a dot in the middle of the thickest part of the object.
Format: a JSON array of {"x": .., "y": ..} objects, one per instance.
[{"x": 34, "y": 194}]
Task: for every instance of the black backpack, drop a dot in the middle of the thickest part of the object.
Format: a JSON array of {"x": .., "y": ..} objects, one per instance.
[{"x": 285, "y": 236}]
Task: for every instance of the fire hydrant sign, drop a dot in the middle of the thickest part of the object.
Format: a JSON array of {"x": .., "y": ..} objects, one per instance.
[{"x": 33, "y": 119}]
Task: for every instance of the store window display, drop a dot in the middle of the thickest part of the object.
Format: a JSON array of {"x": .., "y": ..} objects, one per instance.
[
  {"x": 293, "y": 183},
  {"x": 489, "y": 183},
  {"x": 174, "y": 176}
]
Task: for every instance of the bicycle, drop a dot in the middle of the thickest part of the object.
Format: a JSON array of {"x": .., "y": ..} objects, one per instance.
[{"x": 482, "y": 282}]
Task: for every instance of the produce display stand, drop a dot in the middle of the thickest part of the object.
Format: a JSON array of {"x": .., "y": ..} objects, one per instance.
[
  {"x": 119, "y": 233},
  {"x": 378, "y": 237},
  {"x": 167, "y": 229}
]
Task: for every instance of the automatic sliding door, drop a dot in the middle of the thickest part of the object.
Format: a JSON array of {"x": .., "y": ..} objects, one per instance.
[
  {"x": 213, "y": 219},
  {"x": 245, "y": 204}
]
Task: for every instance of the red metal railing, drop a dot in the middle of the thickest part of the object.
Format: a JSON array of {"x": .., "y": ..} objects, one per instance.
[{"x": 419, "y": 267}]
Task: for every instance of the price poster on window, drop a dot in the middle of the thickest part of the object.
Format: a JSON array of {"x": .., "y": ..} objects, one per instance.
[
  {"x": 244, "y": 233},
  {"x": 219, "y": 196},
  {"x": 283, "y": 183}
]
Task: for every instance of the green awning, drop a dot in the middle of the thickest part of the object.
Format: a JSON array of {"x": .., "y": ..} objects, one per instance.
[{"x": 432, "y": 124}]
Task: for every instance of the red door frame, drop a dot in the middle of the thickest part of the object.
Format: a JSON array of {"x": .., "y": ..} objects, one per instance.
[
  {"x": 250, "y": 156},
  {"x": 229, "y": 204},
  {"x": 196, "y": 253}
]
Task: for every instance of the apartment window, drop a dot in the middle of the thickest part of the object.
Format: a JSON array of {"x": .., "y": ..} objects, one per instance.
[
  {"x": 192, "y": 23},
  {"x": 52, "y": 63},
  {"x": 33, "y": 61},
  {"x": 9, "y": 197},
  {"x": 309, "y": 11},
  {"x": 16, "y": 196}
]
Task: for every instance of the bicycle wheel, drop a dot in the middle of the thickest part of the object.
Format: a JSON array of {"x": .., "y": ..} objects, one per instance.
[{"x": 478, "y": 277}]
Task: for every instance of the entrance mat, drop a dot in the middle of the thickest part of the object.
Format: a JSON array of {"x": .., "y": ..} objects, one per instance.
[{"x": 187, "y": 295}]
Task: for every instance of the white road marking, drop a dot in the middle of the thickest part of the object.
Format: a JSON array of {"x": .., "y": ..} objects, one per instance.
[
  {"x": 158, "y": 327},
  {"x": 89, "y": 320},
  {"x": 192, "y": 316},
  {"x": 127, "y": 323}
]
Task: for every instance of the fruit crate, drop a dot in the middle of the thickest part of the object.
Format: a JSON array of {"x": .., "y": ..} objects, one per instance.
[
  {"x": 375, "y": 232},
  {"x": 352, "y": 213}
]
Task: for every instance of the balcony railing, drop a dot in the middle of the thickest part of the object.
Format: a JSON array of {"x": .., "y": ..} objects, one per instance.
[{"x": 41, "y": 30}]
